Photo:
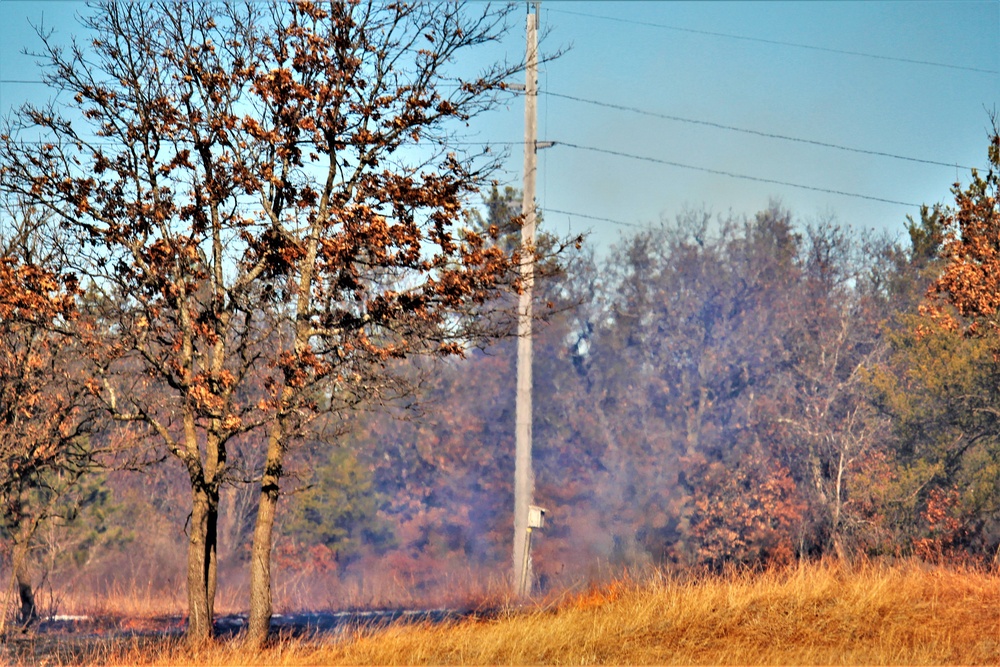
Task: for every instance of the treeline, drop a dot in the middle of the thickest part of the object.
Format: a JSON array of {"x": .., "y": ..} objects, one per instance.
[
  {"x": 713, "y": 391},
  {"x": 743, "y": 390}
]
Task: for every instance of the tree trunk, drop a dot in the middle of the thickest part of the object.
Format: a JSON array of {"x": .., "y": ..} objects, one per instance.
[
  {"x": 695, "y": 420},
  {"x": 199, "y": 628},
  {"x": 831, "y": 512},
  {"x": 259, "y": 622},
  {"x": 211, "y": 553},
  {"x": 28, "y": 613},
  {"x": 835, "y": 537}
]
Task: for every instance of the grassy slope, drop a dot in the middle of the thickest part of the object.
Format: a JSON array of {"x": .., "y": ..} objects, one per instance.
[{"x": 817, "y": 614}]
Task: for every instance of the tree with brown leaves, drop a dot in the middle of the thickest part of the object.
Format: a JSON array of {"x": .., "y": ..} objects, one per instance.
[
  {"x": 970, "y": 282},
  {"x": 946, "y": 386},
  {"x": 45, "y": 422},
  {"x": 269, "y": 196}
]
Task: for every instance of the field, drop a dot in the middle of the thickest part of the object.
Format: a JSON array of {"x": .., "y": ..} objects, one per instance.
[{"x": 815, "y": 614}]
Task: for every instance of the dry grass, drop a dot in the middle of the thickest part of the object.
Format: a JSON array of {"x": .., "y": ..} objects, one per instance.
[
  {"x": 815, "y": 615},
  {"x": 823, "y": 614},
  {"x": 135, "y": 599},
  {"x": 122, "y": 601},
  {"x": 382, "y": 587}
]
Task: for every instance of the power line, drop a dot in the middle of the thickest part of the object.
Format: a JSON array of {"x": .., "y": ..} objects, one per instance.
[
  {"x": 780, "y": 42},
  {"x": 45, "y": 83},
  {"x": 775, "y": 42},
  {"x": 670, "y": 163},
  {"x": 721, "y": 126},
  {"x": 759, "y": 133},
  {"x": 546, "y": 209},
  {"x": 731, "y": 174}
]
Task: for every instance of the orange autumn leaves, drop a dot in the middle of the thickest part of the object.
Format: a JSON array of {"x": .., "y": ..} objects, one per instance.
[{"x": 970, "y": 281}]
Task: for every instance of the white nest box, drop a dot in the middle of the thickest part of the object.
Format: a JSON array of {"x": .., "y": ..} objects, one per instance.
[{"x": 536, "y": 517}]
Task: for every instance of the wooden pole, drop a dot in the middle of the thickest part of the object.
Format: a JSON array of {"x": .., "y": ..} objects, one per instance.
[{"x": 524, "y": 477}]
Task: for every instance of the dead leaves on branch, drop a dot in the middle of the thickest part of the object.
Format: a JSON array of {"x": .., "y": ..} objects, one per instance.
[
  {"x": 970, "y": 282},
  {"x": 31, "y": 294}
]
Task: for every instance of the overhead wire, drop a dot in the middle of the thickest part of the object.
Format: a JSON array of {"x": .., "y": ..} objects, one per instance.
[
  {"x": 730, "y": 174},
  {"x": 726, "y": 173},
  {"x": 761, "y": 40},
  {"x": 708, "y": 170},
  {"x": 777, "y": 42},
  {"x": 546, "y": 209},
  {"x": 644, "y": 158},
  {"x": 759, "y": 133},
  {"x": 731, "y": 128},
  {"x": 720, "y": 126}
]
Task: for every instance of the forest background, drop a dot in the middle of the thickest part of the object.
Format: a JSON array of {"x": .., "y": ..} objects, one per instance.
[
  {"x": 715, "y": 390},
  {"x": 737, "y": 391}
]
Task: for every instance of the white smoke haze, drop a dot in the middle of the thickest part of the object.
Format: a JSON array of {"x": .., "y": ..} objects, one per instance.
[{"x": 697, "y": 395}]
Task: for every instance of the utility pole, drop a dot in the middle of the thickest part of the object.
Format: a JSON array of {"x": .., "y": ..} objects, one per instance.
[{"x": 524, "y": 476}]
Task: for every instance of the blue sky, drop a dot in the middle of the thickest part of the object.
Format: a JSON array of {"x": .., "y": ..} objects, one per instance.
[{"x": 909, "y": 109}]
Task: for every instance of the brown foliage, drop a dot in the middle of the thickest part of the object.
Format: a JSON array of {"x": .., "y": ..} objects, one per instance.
[
  {"x": 273, "y": 212},
  {"x": 970, "y": 281},
  {"x": 748, "y": 515},
  {"x": 44, "y": 419}
]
